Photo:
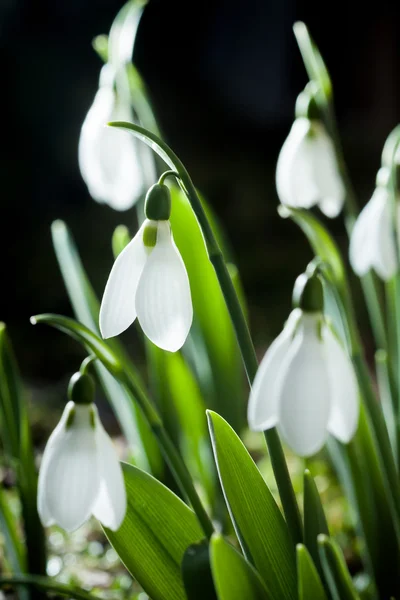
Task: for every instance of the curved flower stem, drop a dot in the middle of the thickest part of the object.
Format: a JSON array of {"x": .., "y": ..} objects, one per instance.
[
  {"x": 44, "y": 583},
  {"x": 242, "y": 332}
]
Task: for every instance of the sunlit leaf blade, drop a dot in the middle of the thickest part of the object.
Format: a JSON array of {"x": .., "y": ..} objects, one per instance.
[
  {"x": 123, "y": 32},
  {"x": 259, "y": 524},
  {"x": 224, "y": 362},
  {"x": 196, "y": 572},
  {"x": 336, "y": 572},
  {"x": 314, "y": 518},
  {"x": 234, "y": 577},
  {"x": 313, "y": 60},
  {"x": 309, "y": 583},
  {"x": 154, "y": 535},
  {"x": 86, "y": 308}
]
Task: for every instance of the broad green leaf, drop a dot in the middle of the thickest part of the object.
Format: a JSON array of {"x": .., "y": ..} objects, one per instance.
[
  {"x": 314, "y": 518},
  {"x": 196, "y": 572},
  {"x": 86, "y": 308},
  {"x": 309, "y": 583},
  {"x": 157, "y": 530},
  {"x": 259, "y": 524},
  {"x": 336, "y": 572},
  {"x": 234, "y": 577},
  {"x": 313, "y": 61}
]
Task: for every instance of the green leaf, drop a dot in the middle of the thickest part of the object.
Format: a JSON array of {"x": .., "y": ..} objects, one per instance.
[
  {"x": 336, "y": 572},
  {"x": 234, "y": 577},
  {"x": 15, "y": 554},
  {"x": 86, "y": 308},
  {"x": 48, "y": 585},
  {"x": 123, "y": 32},
  {"x": 157, "y": 530},
  {"x": 309, "y": 583},
  {"x": 314, "y": 518},
  {"x": 259, "y": 524},
  {"x": 313, "y": 60},
  {"x": 196, "y": 572}
]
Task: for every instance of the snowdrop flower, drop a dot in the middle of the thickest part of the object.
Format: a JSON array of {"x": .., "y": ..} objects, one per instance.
[
  {"x": 80, "y": 474},
  {"x": 373, "y": 242},
  {"x": 305, "y": 386},
  {"x": 307, "y": 172},
  {"x": 108, "y": 158},
  {"x": 149, "y": 281}
]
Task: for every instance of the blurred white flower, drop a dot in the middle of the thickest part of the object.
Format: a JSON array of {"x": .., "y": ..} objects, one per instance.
[
  {"x": 305, "y": 386},
  {"x": 80, "y": 474},
  {"x": 149, "y": 281},
  {"x": 108, "y": 157},
  {"x": 307, "y": 172},
  {"x": 372, "y": 242}
]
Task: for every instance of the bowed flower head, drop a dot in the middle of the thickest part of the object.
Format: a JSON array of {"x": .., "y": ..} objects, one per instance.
[
  {"x": 305, "y": 386},
  {"x": 149, "y": 281},
  {"x": 80, "y": 474},
  {"x": 108, "y": 157},
  {"x": 307, "y": 172},
  {"x": 372, "y": 242}
]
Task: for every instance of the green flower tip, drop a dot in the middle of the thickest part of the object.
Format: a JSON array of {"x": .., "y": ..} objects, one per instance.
[
  {"x": 81, "y": 388},
  {"x": 157, "y": 205},
  {"x": 308, "y": 293}
]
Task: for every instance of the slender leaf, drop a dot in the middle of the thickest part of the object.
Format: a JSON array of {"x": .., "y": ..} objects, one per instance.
[
  {"x": 314, "y": 518},
  {"x": 123, "y": 32},
  {"x": 196, "y": 572},
  {"x": 152, "y": 540},
  {"x": 313, "y": 60},
  {"x": 86, "y": 308},
  {"x": 15, "y": 552},
  {"x": 336, "y": 572},
  {"x": 48, "y": 585},
  {"x": 309, "y": 583},
  {"x": 234, "y": 577},
  {"x": 259, "y": 524}
]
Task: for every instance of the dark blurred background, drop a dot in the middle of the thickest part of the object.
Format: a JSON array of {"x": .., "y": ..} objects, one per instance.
[{"x": 223, "y": 77}]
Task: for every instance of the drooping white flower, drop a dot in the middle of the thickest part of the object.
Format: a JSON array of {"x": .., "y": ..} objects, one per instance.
[
  {"x": 305, "y": 386},
  {"x": 307, "y": 171},
  {"x": 372, "y": 242},
  {"x": 108, "y": 158},
  {"x": 149, "y": 281},
  {"x": 80, "y": 474}
]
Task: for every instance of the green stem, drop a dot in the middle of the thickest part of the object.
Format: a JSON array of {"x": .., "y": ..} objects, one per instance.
[
  {"x": 171, "y": 454},
  {"x": 46, "y": 584}
]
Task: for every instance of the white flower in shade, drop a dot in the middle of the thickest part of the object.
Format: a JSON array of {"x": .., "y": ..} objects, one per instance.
[
  {"x": 372, "y": 242},
  {"x": 80, "y": 474},
  {"x": 305, "y": 386},
  {"x": 108, "y": 158},
  {"x": 149, "y": 281},
  {"x": 307, "y": 172}
]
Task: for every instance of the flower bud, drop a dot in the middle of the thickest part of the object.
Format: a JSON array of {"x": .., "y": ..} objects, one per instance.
[
  {"x": 157, "y": 205},
  {"x": 81, "y": 388}
]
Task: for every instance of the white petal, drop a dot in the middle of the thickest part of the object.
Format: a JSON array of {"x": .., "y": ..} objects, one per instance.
[
  {"x": 110, "y": 506},
  {"x": 372, "y": 242},
  {"x": 117, "y": 309},
  {"x": 108, "y": 157},
  {"x": 343, "y": 418},
  {"x": 262, "y": 411},
  {"x": 303, "y": 391},
  {"x": 70, "y": 482},
  {"x": 294, "y": 171},
  {"x": 163, "y": 300},
  {"x": 326, "y": 172}
]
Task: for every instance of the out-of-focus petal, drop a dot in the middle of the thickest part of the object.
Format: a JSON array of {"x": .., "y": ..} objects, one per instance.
[{"x": 163, "y": 300}]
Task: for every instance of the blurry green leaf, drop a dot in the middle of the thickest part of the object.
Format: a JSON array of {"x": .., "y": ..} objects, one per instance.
[
  {"x": 336, "y": 572},
  {"x": 313, "y": 61},
  {"x": 120, "y": 239},
  {"x": 157, "y": 529},
  {"x": 314, "y": 518},
  {"x": 14, "y": 550},
  {"x": 196, "y": 572},
  {"x": 100, "y": 45},
  {"x": 259, "y": 524},
  {"x": 235, "y": 578},
  {"x": 310, "y": 586},
  {"x": 123, "y": 32},
  {"x": 48, "y": 585},
  {"x": 86, "y": 308}
]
